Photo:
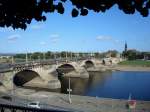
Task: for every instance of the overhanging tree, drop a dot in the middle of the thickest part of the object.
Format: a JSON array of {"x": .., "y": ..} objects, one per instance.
[{"x": 19, "y": 13}]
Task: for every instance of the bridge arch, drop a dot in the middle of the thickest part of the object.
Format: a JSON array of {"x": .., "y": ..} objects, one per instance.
[
  {"x": 65, "y": 68},
  {"x": 89, "y": 63},
  {"x": 24, "y": 76}
]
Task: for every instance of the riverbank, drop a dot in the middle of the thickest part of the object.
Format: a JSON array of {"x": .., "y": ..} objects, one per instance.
[
  {"x": 80, "y": 103},
  {"x": 141, "y": 63},
  {"x": 128, "y": 68}
]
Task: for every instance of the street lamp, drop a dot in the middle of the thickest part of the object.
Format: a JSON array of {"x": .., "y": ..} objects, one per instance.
[
  {"x": 69, "y": 91},
  {"x": 55, "y": 55},
  {"x": 26, "y": 57},
  {"x": 39, "y": 58},
  {"x": 66, "y": 56},
  {"x": 44, "y": 56},
  {"x": 12, "y": 59},
  {"x": 71, "y": 56},
  {"x": 60, "y": 55}
]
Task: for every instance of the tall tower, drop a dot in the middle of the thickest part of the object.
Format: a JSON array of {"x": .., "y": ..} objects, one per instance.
[{"x": 125, "y": 48}]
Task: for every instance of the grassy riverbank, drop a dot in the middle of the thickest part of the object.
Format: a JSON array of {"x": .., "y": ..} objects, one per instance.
[{"x": 141, "y": 63}]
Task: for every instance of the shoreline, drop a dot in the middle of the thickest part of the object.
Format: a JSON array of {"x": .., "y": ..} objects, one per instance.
[{"x": 129, "y": 68}]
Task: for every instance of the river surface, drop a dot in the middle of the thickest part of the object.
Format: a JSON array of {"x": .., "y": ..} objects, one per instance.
[{"x": 109, "y": 84}]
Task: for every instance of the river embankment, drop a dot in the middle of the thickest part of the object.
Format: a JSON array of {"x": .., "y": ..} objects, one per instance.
[
  {"x": 128, "y": 68},
  {"x": 81, "y": 103}
]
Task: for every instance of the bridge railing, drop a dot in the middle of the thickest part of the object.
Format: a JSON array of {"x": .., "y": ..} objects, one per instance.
[{"x": 37, "y": 63}]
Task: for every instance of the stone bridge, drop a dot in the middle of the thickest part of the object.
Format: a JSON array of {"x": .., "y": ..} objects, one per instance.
[{"x": 45, "y": 75}]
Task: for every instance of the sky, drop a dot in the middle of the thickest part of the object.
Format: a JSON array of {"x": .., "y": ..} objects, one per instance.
[{"x": 96, "y": 32}]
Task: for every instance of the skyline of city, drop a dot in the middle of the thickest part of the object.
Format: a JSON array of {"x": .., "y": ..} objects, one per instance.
[{"x": 92, "y": 33}]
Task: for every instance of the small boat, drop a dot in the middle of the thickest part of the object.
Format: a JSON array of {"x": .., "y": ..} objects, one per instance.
[{"x": 131, "y": 102}]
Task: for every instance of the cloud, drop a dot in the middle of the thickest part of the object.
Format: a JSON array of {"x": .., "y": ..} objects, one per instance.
[
  {"x": 116, "y": 41},
  {"x": 54, "y": 35},
  {"x": 108, "y": 39},
  {"x": 104, "y": 38},
  {"x": 13, "y": 38},
  {"x": 42, "y": 43},
  {"x": 54, "y": 38}
]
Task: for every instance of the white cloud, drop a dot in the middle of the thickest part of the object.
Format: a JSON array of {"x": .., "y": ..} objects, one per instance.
[
  {"x": 104, "y": 38},
  {"x": 54, "y": 38},
  {"x": 43, "y": 43},
  {"x": 108, "y": 39},
  {"x": 116, "y": 41},
  {"x": 13, "y": 38}
]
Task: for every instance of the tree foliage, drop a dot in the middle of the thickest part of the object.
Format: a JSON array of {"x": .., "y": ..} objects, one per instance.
[
  {"x": 19, "y": 13},
  {"x": 134, "y": 54}
]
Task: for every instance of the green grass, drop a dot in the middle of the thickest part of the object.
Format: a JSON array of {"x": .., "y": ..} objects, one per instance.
[{"x": 136, "y": 63}]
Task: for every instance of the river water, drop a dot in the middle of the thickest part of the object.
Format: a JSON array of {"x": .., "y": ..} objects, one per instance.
[{"x": 117, "y": 84}]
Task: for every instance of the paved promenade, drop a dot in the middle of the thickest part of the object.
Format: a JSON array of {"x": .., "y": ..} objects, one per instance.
[{"x": 81, "y": 103}]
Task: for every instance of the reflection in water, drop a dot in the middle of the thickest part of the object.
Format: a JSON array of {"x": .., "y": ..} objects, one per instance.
[
  {"x": 80, "y": 86},
  {"x": 110, "y": 85}
]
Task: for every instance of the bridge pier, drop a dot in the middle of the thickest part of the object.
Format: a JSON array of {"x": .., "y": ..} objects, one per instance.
[
  {"x": 49, "y": 77},
  {"x": 6, "y": 80}
]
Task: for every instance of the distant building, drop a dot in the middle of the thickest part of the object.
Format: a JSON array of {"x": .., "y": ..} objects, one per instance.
[{"x": 147, "y": 57}]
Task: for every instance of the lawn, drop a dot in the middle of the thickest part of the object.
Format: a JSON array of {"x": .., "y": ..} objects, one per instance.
[{"x": 136, "y": 63}]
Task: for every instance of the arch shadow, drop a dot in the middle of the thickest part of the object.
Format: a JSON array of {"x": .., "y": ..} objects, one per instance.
[
  {"x": 88, "y": 64},
  {"x": 24, "y": 76},
  {"x": 65, "y": 68}
]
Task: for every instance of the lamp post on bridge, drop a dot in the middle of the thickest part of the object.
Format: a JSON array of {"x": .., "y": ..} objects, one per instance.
[
  {"x": 26, "y": 57},
  {"x": 71, "y": 56},
  {"x": 76, "y": 56},
  {"x": 39, "y": 58},
  {"x": 12, "y": 60},
  {"x": 66, "y": 56},
  {"x": 43, "y": 56},
  {"x": 69, "y": 91},
  {"x": 60, "y": 56}
]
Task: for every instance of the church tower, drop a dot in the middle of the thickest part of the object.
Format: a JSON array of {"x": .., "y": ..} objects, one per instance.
[{"x": 125, "y": 48}]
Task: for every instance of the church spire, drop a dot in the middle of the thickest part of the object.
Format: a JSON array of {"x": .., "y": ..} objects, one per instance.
[{"x": 125, "y": 48}]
